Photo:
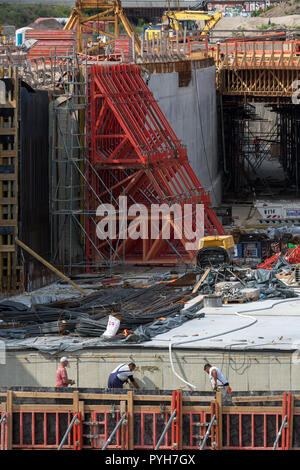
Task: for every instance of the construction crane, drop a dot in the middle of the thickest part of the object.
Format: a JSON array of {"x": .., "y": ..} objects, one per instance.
[{"x": 108, "y": 11}]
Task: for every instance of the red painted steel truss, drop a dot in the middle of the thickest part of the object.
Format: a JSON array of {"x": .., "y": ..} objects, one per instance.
[{"x": 133, "y": 152}]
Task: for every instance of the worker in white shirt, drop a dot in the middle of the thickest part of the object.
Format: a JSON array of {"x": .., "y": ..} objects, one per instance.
[
  {"x": 121, "y": 375},
  {"x": 218, "y": 381}
]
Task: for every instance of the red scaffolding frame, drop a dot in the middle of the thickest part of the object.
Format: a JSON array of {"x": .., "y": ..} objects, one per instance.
[{"x": 134, "y": 152}]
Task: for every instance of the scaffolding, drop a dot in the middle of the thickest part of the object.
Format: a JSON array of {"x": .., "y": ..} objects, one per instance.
[
  {"x": 252, "y": 144},
  {"x": 69, "y": 164},
  {"x": 110, "y": 139}
]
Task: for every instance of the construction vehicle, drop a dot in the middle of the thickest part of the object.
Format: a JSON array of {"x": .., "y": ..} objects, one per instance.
[
  {"x": 179, "y": 21},
  {"x": 215, "y": 250},
  {"x": 2, "y": 37}
]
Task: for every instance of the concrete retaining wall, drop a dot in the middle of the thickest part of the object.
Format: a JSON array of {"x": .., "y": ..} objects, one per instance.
[
  {"x": 192, "y": 112},
  {"x": 246, "y": 371}
]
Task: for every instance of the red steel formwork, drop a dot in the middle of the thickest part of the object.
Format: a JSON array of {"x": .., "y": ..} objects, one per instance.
[
  {"x": 134, "y": 152},
  {"x": 256, "y": 427},
  {"x": 50, "y": 42}
]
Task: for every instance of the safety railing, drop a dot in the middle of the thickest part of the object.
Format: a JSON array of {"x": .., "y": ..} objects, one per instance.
[
  {"x": 261, "y": 54},
  {"x": 197, "y": 45}
]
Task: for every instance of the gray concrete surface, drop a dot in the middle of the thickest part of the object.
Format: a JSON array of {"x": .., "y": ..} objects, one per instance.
[
  {"x": 246, "y": 371},
  {"x": 192, "y": 113}
]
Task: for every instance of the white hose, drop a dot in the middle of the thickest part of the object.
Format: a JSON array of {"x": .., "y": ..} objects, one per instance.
[{"x": 254, "y": 320}]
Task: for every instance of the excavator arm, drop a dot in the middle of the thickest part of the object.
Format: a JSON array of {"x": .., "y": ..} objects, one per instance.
[
  {"x": 211, "y": 24},
  {"x": 175, "y": 17}
]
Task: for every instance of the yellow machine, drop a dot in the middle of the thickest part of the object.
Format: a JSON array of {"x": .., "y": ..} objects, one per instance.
[
  {"x": 215, "y": 250},
  {"x": 104, "y": 12},
  {"x": 179, "y": 20},
  {"x": 2, "y": 38}
]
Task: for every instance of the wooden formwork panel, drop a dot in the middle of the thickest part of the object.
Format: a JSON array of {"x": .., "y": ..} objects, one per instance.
[{"x": 258, "y": 82}]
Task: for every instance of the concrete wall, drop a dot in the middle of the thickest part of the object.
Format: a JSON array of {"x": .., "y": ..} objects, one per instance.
[
  {"x": 246, "y": 371},
  {"x": 192, "y": 112}
]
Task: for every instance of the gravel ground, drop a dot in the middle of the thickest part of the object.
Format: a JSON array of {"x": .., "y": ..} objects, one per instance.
[{"x": 240, "y": 23}]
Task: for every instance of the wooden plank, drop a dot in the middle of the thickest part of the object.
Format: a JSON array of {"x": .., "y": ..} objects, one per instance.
[
  {"x": 7, "y": 131},
  {"x": 201, "y": 280},
  {"x": 43, "y": 395},
  {"x": 9, "y": 409},
  {"x": 91, "y": 408},
  {"x": 252, "y": 409},
  {"x": 8, "y": 222},
  {"x": 43, "y": 408},
  {"x": 8, "y": 153},
  {"x": 219, "y": 420},
  {"x": 81, "y": 409},
  {"x": 101, "y": 396},
  {"x": 8, "y": 200},
  {"x": 7, "y": 176},
  {"x": 157, "y": 398},
  {"x": 257, "y": 399},
  {"x": 75, "y": 401},
  {"x": 7, "y": 248},
  {"x": 130, "y": 409}
]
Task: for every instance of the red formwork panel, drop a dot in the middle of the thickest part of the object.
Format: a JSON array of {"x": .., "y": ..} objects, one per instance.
[
  {"x": 134, "y": 152},
  {"x": 250, "y": 431},
  {"x": 50, "y": 42},
  {"x": 41, "y": 429}
]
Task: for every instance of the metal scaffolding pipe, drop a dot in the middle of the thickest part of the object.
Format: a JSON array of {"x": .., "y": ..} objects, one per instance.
[
  {"x": 280, "y": 432},
  {"x": 114, "y": 432},
  {"x": 208, "y": 432},
  {"x": 166, "y": 429},
  {"x": 67, "y": 432}
]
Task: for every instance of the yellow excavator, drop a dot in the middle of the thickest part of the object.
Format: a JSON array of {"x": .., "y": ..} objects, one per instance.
[
  {"x": 178, "y": 20},
  {"x": 181, "y": 20}
]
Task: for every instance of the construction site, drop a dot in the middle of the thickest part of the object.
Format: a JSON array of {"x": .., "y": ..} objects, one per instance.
[{"x": 150, "y": 219}]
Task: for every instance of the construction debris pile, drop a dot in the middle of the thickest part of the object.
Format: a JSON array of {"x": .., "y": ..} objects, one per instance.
[
  {"x": 120, "y": 311},
  {"x": 245, "y": 284}
]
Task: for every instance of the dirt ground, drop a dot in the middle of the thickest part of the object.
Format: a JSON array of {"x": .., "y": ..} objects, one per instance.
[
  {"x": 291, "y": 7},
  {"x": 257, "y": 25}
]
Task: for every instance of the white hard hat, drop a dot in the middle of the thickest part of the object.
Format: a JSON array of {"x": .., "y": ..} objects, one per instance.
[{"x": 64, "y": 359}]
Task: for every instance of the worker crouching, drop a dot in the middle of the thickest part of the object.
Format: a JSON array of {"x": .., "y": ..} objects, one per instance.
[{"x": 121, "y": 375}]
